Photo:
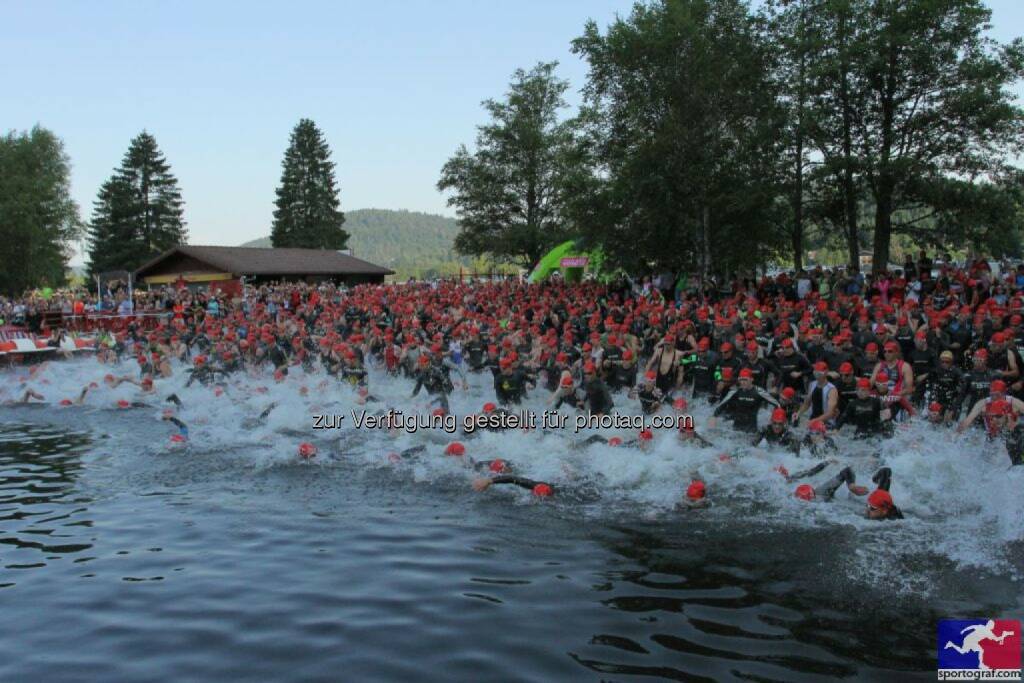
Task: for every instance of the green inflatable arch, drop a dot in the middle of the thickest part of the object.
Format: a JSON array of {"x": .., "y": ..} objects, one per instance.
[{"x": 552, "y": 262}]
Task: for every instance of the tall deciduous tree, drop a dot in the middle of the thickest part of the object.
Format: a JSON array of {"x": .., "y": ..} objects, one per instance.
[
  {"x": 509, "y": 193},
  {"x": 689, "y": 134},
  {"x": 308, "y": 210},
  {"x": 38, "y": 219},
  {"x": 139, "y": 211},
  {"x": 928, "y": 99}
]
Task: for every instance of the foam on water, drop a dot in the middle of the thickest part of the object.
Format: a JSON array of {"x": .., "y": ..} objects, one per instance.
[{"x": 962, "y": 502}]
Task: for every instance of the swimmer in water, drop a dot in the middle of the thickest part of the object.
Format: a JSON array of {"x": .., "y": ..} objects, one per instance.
[
  {"x": 696, "y": 495},
  {"x": 540, "y": 489},
  {"x": 688, "y": 436},
  {"x": 880, "y": 505},
  {"x": 827, "y": 490},
  {"x": 182, "y": 434}
]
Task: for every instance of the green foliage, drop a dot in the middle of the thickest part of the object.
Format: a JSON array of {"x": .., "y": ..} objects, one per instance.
[
  {"x": 38, "y": 219},
  {"x": 508, "y": 194},
  {"x": 412, "y": 244},
  {"x": 138, "y": 213},
  {"x": 686, "y": 129},
  {"x": 308, "y": 213},
  {"x": 904, "y": 98}
]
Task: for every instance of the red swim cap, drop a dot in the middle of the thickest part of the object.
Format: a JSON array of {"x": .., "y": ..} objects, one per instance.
[
  {"x": 498, "y": 466},
  {"x": 863, "y": 383},
  {"x": 679, "y": 404},
  {"x": 123, "y": 403},
  {"x": 307, "y": 450},
  {"x": 615, "y": 441},
  {"x": 65, "y": 401},
  {"x": 779, "y": 415},
  {"x": 455, "y": 448},
  {"x": 821, "y": 366},
  {"x": 746, "y": 373},
  {"x": 998, "y": 387},
  {"x": 646, "y": 435},
  {"x": 804, "y": 492},
  {"x": 489, "y": 407},
  {"x": 177, "y": 438},
  {"x": 788, "y": 393},
  {"x": 696, "y": 490},
  {"x": 542, "y": 490},
  {"x": 650, "y": 375},
  {"x": 935, "y": 407},
  {"x": 566, "y": 381},
  {"x": 846, "y": 369},
  {"x": 880, "y": 499},
  {"x": 817, "y": 426}
]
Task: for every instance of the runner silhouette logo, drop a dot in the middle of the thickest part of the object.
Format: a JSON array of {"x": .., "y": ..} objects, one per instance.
[{"x": 980, "y": 645}]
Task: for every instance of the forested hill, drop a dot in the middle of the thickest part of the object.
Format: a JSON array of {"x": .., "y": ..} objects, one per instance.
[{"x": 408, "y": 242}]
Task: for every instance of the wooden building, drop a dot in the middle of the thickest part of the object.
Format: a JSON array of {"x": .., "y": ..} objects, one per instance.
[{"x": 221, "y": 268}]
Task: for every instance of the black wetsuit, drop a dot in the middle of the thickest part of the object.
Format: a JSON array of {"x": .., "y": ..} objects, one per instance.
[
  {"x": 742, "y": 405},
  {"x": 510, "y": 387},
  {"x": 475, "y": 352},
  {"x": 521, "y": 482},
  {"x": 650, "y": 399},
  {"x": 976, "y": 386},
  {"x": 761, "y": 369},
  {"x": 703, "y": 371},
  {"x": 864, "y": 414},
  {"x": 827, "y": 446},
  {"x": 436, "y": 382},
  {"x": 785, "y": 438},
  {"x": 790, "y": 364},
  {"x": 819, "y": 402},
  {"x": 922, "y": 362},
  {"x": 599, "y": 399},
  {"x": 847, "y": 392},
  {"x": 666, "y": 381},
  {"x": 947, "y": 386}
]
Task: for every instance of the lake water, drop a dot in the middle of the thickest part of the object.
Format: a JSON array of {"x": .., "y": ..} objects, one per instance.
[{"x": 126, "y": 558}]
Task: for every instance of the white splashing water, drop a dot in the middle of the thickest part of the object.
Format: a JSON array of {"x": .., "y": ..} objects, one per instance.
[{"x": 961, "y": 499}]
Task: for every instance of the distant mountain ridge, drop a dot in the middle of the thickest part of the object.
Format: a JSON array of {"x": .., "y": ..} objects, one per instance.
[{"x": 409, "y": 242}]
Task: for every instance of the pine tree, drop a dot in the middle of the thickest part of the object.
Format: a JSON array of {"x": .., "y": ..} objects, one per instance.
[
  {"x": 308, "y": 213},
  {"x": 138, "y": 212}
]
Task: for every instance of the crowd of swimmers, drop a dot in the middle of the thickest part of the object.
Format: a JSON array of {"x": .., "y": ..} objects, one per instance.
[{"x": 824, "y": 372}]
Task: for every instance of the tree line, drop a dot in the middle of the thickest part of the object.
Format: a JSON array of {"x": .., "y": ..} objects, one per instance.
[
  {"x": 139, "y": 211},
  {"x": 713, "y": 138}
]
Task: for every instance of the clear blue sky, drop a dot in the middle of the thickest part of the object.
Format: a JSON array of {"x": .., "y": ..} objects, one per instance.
[{"x": 394, "y": 85}]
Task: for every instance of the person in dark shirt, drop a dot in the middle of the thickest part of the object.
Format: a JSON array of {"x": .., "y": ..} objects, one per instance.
[
  {"x": 865, "y": 412},
  {"x": 778, "y": 433},
  {"x": 743, "y": 403},
  {"x": 793, "y": 367},
  {"x": 598, "y": 397},
  {"x": 922, "y": 363}
]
